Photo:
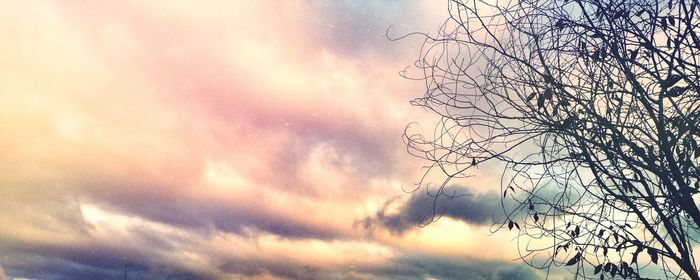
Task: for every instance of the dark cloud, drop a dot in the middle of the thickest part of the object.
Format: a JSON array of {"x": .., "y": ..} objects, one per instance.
[
  {"x": 96, "y": 261},
  {"x": 422, "y": 208},
  {"x": 286, "y": 270},
  {"x": 210, "y": 215},
  {"x": 99, "y": 261},
  {"x": 404, "y": 267},
  {"x": 422, "y": 267}
]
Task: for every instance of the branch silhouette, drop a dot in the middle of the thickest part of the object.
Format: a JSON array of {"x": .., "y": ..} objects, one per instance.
[{"x": 592, "y": 108}]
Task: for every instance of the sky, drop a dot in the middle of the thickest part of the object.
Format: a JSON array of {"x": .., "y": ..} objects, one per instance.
[{"x": 227, "y": 140}]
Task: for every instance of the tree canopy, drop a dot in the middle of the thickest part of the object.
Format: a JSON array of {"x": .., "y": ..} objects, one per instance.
[{"x": 592, "y": 108}]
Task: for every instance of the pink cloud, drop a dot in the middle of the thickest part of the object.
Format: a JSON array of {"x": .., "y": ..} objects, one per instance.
[{"x": 196, "y": 127}]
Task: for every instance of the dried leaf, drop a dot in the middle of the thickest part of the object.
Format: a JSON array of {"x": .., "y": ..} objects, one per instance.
[
  {"x": 597, "y": 269},
  {"x": 676, "y": 91},
  {"x": 664, "y": 25},
  {"x": 672, "y": 80},
  {"x": 574, "y": 260},
  {"x": 633, "y": 54},
  {"x": 531, "y": 96},
  {"x": 653, "y": 254},
  {"x": 613, "y": 270},
  {"x": 559, "y": 24}
]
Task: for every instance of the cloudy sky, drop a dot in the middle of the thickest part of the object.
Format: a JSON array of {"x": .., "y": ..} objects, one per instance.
[{"x": 226, "y": 140}]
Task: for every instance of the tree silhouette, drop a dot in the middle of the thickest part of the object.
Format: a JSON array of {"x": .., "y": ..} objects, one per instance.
[{"x": 592, "y": 108}]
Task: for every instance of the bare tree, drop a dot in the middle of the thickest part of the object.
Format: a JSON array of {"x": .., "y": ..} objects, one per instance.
[{"x": 592, "y": 108}]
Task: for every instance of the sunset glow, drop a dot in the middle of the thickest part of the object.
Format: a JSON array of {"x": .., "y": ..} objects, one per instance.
[{"x": 226, "y": 140}]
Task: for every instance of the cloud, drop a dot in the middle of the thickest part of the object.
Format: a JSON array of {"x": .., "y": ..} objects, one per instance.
[
  {"x": 414, "y": 266},
  {"x": 211, "y": 215},
  {"x": 417, "y": 266},
  {"x": 463, "y": 268},
  {"x": 46, "y": 262},
  {"x": 155, "y": 250},
  {"x": 207, "y": 141},
  {"x": 103, "y": 251},
  {"x": 455, "y": 202},
  {"x": 410, "y": 266}
]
